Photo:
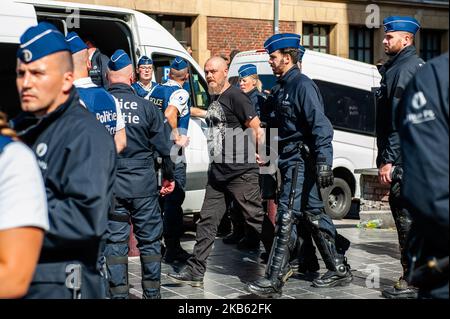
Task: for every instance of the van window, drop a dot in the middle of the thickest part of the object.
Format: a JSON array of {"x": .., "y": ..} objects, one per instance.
[
  {"x": 200, "y": 90},
  {"x": 348, "y": 109},
  {"x": 9, "y": 103},
  {"x": 161, "y": 63}
]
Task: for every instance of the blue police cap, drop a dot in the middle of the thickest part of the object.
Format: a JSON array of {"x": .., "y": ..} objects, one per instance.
[
  {"x": 40, "y": 41},
  {"x": 178, "y": 64},
  {"x": 145, "y": 60},
  {"x": 282, "y": 41},
  {"x": 247, "y": 70},
  {"x": 301, "y": 52},
  {"x": 119, "y": 60},
  {"x": 398, "y": 23},
  {"x": 75, "y": 42}
]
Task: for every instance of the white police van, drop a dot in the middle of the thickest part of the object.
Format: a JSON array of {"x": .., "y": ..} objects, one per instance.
[
  {"x": 346, "y": 88},
  {"x": 111, "y": 28}
]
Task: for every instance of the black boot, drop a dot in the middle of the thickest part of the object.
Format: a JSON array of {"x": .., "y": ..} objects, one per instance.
[
  {"x": 278, "y": 269},
  {"x": 339, "y": 276}
]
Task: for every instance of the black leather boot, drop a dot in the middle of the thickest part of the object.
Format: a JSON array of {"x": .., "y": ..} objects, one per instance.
[{"x": 278, "y": 269}]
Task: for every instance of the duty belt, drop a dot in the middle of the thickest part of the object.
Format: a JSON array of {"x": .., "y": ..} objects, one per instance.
[{"x": 126, "y": 162}]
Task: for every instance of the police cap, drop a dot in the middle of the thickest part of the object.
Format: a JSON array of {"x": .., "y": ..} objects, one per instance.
[
  {"x": 179, "y": 64},
  {"x": 247, "y": 70},
  {"x": 119, "y": 60},
  {"x": 282, "y": 41},
  {"x": 40, "y": 41},
  {"x": 75, "y": 42},
  {"x": 398, "y": 23},
  {"x": 145, "y": 60}
]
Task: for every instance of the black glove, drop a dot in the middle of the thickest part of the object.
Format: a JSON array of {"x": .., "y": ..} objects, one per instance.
[
  {"x": 324, "y": 176},
  {"x": 396, "y": 184}
]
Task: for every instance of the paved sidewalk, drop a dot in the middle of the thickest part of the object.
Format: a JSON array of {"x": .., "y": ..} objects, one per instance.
[{"x": 373, "y": 252}]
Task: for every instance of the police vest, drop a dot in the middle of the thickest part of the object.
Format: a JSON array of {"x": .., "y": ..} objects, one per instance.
[
  {"x": 160, "y": 96},
  {"x": 101, "y": 104},
  {"x": 4, "y": 140},
  {"x": 140, "y": 90}
]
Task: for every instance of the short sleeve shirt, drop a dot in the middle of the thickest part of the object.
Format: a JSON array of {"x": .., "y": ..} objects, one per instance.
[{"x": 23, "y": 201}]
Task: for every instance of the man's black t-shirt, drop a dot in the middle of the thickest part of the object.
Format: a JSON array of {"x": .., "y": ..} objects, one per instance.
[{"x": 230, "y": 142}]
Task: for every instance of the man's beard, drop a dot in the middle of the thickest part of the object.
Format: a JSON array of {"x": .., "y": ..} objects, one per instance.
[{"x": 217, "y": 89}]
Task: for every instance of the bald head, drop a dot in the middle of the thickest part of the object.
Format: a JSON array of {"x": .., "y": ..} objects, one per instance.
[
  {"x": 216, "y": 72},
  {"x": 217, "y": 62},
  {"x": 124, "y": 75},
  {"x": 81, "y": 64},
  {"x": 178, "y": 75}
]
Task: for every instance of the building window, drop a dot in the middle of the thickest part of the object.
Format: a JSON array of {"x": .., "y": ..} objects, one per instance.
[
  {"x": 178, "y": 26},
  {"x": 361, "y": 44},
  {"x": 316, "y": 37},
  {"x": 430, "y": 43}
]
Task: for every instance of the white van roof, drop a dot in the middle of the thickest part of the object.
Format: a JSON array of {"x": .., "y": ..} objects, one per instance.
[
  {"x": 147, "y": 32},
  {"x": 318, "y": 66},
  {"x": 159, "y": 36}
]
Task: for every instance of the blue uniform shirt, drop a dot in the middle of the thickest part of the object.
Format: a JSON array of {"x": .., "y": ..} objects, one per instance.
[
  {"x": 170, "y": 93},
  {"x": 141, "y": 90},
  {"x": 100, "y": 103}
]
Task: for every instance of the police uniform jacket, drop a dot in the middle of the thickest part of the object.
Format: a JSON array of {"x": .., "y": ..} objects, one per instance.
[
  {"x": 300, "y": 118},
  {"x": 396, "y": 74},
  {"x": 424, "y": 132},
  {"x": 257, "y": 99},
  {"x": 146, "y": 133},
  {"x": 77, "y": 158}
]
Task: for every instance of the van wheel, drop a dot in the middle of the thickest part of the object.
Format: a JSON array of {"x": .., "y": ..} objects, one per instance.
[{"x": 337, "y": 199}]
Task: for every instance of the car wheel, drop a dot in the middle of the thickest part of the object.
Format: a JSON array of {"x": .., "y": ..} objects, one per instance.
[{"x": 337, "y": 199}]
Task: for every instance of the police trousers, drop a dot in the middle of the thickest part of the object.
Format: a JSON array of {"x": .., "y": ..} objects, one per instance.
[
  {"x": 145, "y": 215},
  {"x": 307, "y": 199}
]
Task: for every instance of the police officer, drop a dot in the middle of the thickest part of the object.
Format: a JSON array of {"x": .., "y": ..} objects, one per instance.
[
  {"x": 250, "y": 84},
  {"x": 172, "y": 99},
  {"x": 136, "y": 187},
  {"x": 304, "y": 257},
  {"x": 95, "y": 98},
  {"x": 144, "y": 85},
  {"x": 424, "y": 135},
  {"x": 299, "y": 112},
  {"x": 396, "y": 73},
  {"x": 77, "y": 159},
  {"x": 99, "y": 63}
]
